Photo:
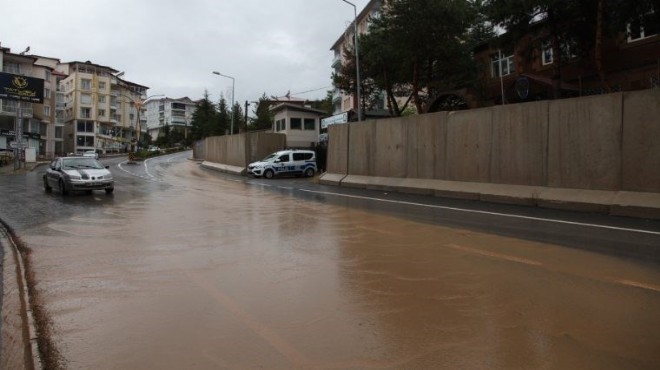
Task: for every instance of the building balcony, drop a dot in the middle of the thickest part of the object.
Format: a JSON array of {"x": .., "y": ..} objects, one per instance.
[
  {"x": 336, "y": 62},
  {"x": 11, "y": 110}
]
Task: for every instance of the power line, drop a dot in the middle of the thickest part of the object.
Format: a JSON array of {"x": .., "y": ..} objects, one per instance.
[{"x": 310, "y": 91}]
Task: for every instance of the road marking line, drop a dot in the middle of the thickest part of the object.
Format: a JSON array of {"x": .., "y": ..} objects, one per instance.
[
  {"x": 639, "y": 285},
  {"x": 486, "y": 212},
  {"x": 505, "y": 257}
]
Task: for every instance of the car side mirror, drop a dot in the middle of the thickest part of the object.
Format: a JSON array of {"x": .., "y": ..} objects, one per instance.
[{"x": 107, "y": 167}]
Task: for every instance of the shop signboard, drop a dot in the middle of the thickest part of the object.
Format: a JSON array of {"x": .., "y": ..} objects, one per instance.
[{"x": 21, "y": 88}]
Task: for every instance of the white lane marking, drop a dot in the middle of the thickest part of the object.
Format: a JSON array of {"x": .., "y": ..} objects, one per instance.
[
  {"x": 639, "y": 285},
  {"x": 150, "y": 177},
  {"x": 146, "y": 168},
  {"x": 501, "y": 256},
  {"x": 486, "y": 212}
]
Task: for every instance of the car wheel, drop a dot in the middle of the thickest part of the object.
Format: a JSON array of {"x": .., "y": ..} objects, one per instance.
[
  {"x": 309, "y": 172},
  {"x": 269, "y": 174},
  {"x": 62, "y": 188},
  {"x": 109, "y": 191},
  {"x": 47, "y": 187}
]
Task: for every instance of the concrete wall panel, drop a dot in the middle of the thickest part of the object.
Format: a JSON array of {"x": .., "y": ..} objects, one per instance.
[
  {"x": 469, "y": 136},
  {"x": 440, "y": 153},
  {"x": 520, "y": 143},
  {"x": 422, "y": 146},
  {"x": 338, "y": 149},
  {"x": 585, "y": 142},
  {"x": 390, "y": 158},
  {"x": 641, "y": 141},
  {"x": 362, "y": 150},
  {"x": 261, "y": 144}
]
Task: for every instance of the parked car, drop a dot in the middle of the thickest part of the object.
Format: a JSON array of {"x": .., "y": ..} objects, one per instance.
[
  {"x": 67, "y": 174},
  {"x": 285, "y": 162},
  {"x": 91, "y": 153},
  {"x": 154, "y": 149}
]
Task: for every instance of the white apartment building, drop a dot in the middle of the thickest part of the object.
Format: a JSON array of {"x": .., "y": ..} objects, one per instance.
[
  {"x": 342, "y": 102},
  {"x": 176, "y": 114}
]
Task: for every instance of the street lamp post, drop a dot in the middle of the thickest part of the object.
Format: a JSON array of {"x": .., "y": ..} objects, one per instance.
[
  {"x": 231, "y": 110},
  {"x": 357, "y": 60}
]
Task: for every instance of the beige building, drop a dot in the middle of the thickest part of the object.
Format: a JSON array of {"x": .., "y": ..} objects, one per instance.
[
  {"x": 299, "y": 123},
  {"x": 18, "y": 64},
  {"x": 102, "y": 112},
  {"x": 86, "y": 107}
]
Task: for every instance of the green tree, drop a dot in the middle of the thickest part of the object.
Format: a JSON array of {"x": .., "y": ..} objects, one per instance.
[
  {"x": 223, "y": 118},
  {"x": 204, "y": 120},
  {"x": 263, "y": 118},
  {"x": 415, "y": 49}
]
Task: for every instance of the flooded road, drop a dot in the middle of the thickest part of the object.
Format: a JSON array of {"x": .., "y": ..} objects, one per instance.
[{"x": 210, "y": 273}]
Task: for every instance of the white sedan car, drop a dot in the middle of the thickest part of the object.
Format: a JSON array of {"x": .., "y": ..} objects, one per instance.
[{"x": 91, "y": 154}]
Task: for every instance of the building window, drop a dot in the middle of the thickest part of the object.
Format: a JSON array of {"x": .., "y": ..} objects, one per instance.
[
  {"x": 296, "y": 124},
  {"x": 502, "y": 62},
  {"x": 85, "y": 141},
  {"x": 86, "y": 84},
  {"x": 101, "y": 85},
  {"x": 566, "y": 48},
  {"x": 46, "y": 93},
  {"x": 48, "y": 75},
  {"x": 310, "y": 124},
  {"x": 102, "y": 113},
  {"x": 85, "y": 126},
  {"x": 86, "y": 112},
  {"x": 58, "y": 132},
  {"x": 280, "y": 125},
  {"x": 46, "y": 110},
  {"x": 10, "y": 67},
  {"x": 546, "y": 53},
  {"x": 102, "y": 99},
  {"x": 643, "y": 28},
  {"x": 86, "y": 99}
]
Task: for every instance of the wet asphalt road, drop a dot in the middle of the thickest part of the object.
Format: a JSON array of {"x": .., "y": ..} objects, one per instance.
[{"x": 183, "y": 267}]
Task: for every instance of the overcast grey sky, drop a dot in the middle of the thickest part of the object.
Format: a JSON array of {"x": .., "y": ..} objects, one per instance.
[{"x": 173, "y": 46}]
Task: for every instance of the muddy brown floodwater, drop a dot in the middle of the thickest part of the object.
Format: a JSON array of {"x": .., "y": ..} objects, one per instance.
[{"x": 212, "y": 273}]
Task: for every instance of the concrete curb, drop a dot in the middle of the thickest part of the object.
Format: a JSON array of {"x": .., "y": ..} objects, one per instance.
[
  {"x": 19, "y": 335},
  {"x": 223, "y": 168},
  {"x": 619, "y": 203}
]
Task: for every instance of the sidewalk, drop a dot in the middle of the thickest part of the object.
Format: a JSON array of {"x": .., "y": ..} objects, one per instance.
[{"x": 25, "y": 167}]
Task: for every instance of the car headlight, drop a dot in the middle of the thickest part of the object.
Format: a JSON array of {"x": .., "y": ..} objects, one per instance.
[{"x": 75, "y": 177}]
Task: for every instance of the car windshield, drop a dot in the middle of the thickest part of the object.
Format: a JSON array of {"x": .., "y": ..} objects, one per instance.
[
  {"x": 78, "y": 163},
  {"x": 270, "y": 158}
]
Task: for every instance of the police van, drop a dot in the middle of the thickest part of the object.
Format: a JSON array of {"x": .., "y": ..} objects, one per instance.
[{"x": 285, "y": 162}]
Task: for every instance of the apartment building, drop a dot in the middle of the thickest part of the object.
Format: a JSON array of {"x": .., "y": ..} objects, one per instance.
[
  {"x": 524, "y": 72},
  {"x": 173, "y": 114},
  {"x": 102, "y": 111},
  {"x": 33, "y": 128},
  {"x": 343, "y": 102}
]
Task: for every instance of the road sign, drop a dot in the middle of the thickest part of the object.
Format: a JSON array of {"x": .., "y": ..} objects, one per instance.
[{"x": 14, "y": 145}]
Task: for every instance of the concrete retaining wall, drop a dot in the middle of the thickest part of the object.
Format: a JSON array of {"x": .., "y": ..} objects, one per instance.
[
  {"x": 240, "y": 150},
  {"x": 607, "y": 143}
]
